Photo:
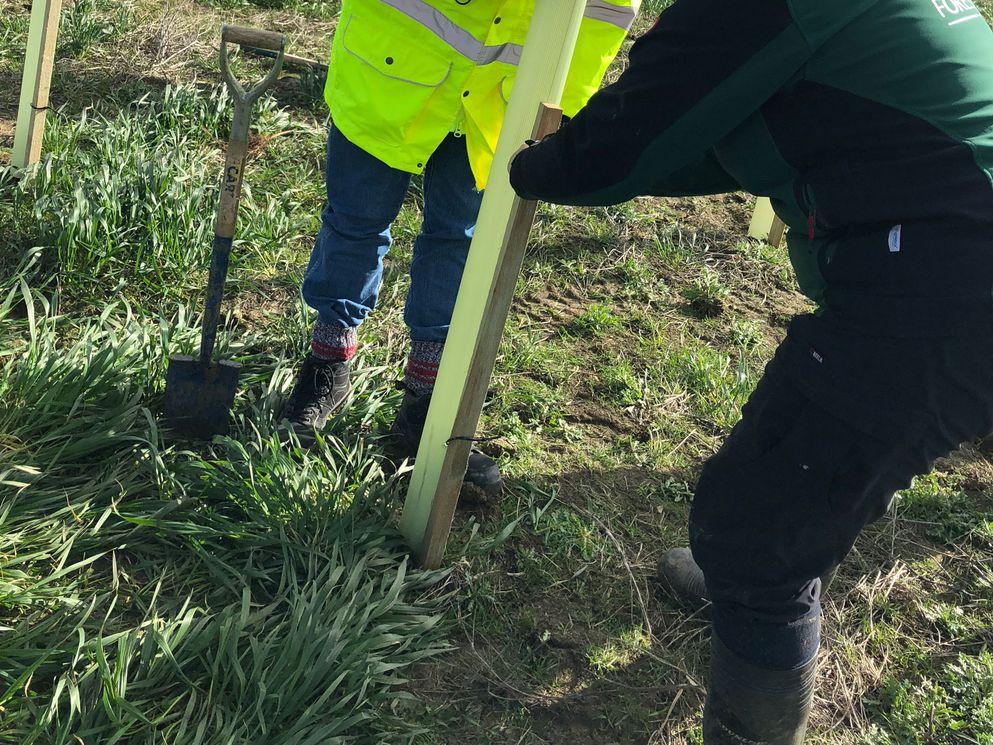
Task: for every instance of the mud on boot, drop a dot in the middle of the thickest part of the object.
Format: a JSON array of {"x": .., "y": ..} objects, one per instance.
[
  {"x": 322, "y": 389},
  {"x": 482, "y": 483}
]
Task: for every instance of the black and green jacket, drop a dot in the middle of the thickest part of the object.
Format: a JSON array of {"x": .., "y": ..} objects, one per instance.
[{"x": 854, "y": 116}]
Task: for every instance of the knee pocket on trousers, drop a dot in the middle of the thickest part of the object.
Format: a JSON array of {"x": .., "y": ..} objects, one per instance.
[
  {"x": 794, "y": 511},
  {"x": 770, "y": 516}
]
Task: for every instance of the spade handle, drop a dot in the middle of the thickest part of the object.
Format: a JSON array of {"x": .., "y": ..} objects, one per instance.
[
  {"x": 234, "y": 167},
  {"x": 253, "y": 37}
]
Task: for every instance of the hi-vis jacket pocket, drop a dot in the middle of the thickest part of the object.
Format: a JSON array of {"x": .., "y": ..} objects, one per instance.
[
  {"x": 380, "y": 78},
  {"x": 506, "y": 86}
]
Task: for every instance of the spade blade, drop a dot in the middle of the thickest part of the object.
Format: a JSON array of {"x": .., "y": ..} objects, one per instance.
[{"x": 199, "y": 396}]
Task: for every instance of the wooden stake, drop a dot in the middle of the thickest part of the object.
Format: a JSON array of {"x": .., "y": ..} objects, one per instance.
[
  {"x": 36, "y": 81},
  {"x": 487, "y": 288},
  {"x": 765, "y": 225}
]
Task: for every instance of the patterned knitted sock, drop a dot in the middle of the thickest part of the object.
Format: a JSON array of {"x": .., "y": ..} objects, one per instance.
[
  {"x": 333, "y": 343},
  {"x": 422, "y": 366}
]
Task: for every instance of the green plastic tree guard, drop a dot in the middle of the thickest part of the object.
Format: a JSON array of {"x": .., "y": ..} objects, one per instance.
[
  {"x": 766, "y": 225},
  {"x": 36, "y": 80},
  {"x": 486, "y": 290}
]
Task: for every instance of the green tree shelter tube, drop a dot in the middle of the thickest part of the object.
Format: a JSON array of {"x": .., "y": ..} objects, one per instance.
[
  {"x": 39, "y": 57},
  {"x": 541, "y": 79}
]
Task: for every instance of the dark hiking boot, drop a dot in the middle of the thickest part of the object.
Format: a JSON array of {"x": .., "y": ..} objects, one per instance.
[
  {"x": 482, "y": 474},
  {"x": 322, "y": 389},
  {"x": 747, "y": 705},
  {"x": 680, "y": 574}
]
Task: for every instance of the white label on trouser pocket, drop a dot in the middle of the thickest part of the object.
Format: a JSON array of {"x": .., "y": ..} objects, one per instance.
[{"x": 896, "y": 233}]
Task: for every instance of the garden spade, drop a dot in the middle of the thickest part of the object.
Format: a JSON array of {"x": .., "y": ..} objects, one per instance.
[{"x": 200, "y": 392}]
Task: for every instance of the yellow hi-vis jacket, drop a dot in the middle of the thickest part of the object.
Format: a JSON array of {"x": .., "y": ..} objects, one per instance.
[{"x": 406, "y": 73}]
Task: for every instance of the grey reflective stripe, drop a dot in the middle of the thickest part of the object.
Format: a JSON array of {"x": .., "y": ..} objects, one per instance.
[
  {"x": 455, "y": 36},
  {"x": 621, "y": 16},
  {"x": 508, "y": 53}
]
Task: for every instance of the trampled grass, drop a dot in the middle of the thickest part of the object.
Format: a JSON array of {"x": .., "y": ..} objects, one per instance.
[{"x": 250, "y": 591}]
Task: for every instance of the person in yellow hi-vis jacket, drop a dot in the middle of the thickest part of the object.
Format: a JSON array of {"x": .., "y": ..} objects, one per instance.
[{"x": 417, "y": 87}]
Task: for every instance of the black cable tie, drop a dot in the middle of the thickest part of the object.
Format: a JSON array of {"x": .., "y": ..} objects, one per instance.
[
  {"x": 472, "y": 439},
  {"x": 38, "y": 108}
]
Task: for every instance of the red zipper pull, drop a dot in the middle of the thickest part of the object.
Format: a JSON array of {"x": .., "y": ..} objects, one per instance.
[{"x": 811, "y": 225}]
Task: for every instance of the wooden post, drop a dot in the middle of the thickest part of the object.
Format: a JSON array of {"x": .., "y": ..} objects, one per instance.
[
  {"x": 487, "y": 289},
  {"x": 35, "y": 83},
  {"x": 765, "y": 225}
]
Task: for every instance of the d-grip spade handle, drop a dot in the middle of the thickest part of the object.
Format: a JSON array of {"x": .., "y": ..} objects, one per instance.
[
  {"x": 272, "y": 41},
  {"x": 234, "y": 166},
  {"x": 253, "y": 37}
]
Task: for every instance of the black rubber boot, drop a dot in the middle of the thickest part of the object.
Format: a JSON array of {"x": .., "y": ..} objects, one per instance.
[
  {"x": 482, "y": 474},
  {"x": 680, "y": 574},
  {"x": 322, "y": 388},
  {"x": 747, "y": 705}
]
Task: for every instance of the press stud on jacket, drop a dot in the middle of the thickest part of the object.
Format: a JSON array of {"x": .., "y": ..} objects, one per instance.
[{"x": 405, "y": 73}]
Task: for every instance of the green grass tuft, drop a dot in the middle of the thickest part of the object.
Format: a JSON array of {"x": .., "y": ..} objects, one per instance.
[{"x": 244, "y": 591}]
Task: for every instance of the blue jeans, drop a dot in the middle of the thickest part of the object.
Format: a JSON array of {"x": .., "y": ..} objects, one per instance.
[{"x": 364, "y": 198}]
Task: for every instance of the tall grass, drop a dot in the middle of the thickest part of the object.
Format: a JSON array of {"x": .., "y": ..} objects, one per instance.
[
  {"x": 85, "y": 23},
  {"x": 126, "y": 202},
  {"x": 246, "y": 591}
]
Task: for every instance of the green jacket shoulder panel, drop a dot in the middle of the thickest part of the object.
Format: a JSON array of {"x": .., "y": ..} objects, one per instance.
[
  {"x": 931, "y": 59},
  {"x": 819, "y": 20}
]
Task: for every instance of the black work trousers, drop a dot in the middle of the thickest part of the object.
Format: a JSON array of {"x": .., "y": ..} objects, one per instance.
[{"x": 841, "y": 420}]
